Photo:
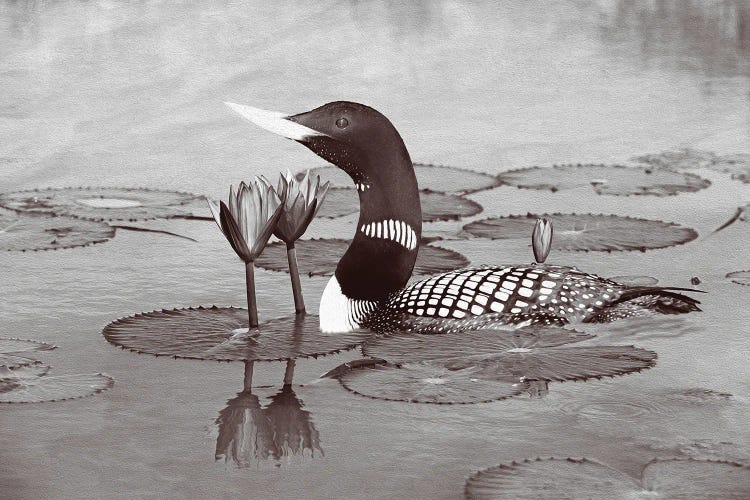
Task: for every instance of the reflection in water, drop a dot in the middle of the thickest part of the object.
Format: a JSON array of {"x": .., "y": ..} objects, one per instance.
[
  {"x": 249, "y": 432},
  {"x": 712, "y": 37}
]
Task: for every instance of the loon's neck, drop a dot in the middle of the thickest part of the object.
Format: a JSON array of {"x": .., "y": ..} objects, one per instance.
[{"x": 382, "y": 254}]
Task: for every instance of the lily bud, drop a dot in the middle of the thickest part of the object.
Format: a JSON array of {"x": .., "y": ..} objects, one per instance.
[{"x": 541, "y": 239}]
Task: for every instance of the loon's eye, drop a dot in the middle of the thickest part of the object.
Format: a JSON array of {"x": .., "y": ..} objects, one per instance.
[{"x": 342, "y": 122}]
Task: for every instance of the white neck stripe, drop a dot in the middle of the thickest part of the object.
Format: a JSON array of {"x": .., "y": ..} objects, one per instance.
[{"x": 394, "y": 230}]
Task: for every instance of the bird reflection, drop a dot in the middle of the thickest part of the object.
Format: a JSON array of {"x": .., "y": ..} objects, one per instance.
[{"x": 249, "y": 433}]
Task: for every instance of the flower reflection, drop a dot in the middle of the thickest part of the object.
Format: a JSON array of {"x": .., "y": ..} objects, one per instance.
[{"x": 248, "y": 432}]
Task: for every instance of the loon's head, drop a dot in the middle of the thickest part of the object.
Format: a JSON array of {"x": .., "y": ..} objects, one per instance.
[{"x": 364, "y": 144}]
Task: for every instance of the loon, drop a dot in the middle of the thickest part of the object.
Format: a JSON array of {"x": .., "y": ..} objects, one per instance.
[{"x": 369, "y": 287}]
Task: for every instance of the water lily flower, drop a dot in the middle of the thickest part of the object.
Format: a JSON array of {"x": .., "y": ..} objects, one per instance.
[
  {"x": 302, "y": 200},
  {"x": 248, "y": 221},
  {"x": 541, "y": 239}
]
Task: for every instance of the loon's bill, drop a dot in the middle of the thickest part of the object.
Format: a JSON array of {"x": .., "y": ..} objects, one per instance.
[
  {"x": 274, "y": 121},
  {"x": 370, "y": 286}
]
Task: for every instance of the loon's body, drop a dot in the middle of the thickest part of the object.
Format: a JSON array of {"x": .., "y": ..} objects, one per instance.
[{"x": 369, "y": 288}]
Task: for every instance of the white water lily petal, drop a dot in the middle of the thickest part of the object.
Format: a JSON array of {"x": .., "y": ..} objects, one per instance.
[{"x": 214, "y": 207}]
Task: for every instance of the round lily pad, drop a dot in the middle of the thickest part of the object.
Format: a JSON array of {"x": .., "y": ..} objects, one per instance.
[
  {"x": 616, "y": 180},
  {"x": 680, "y": 159},
  {"x": 431, "y": 177},
  {"x": 426, "y": 382},
  {"x": 401, "y": 348},
  {"x": 738, "y": 165},
  {"x": 635, "y": 280},
  {"x": 21, "y": 232},
  {"x": 588, "y": 232},
  {"x": 30, "y": 384},
  {"x": 11, "y": 349},
  {"x": 319, "y": 257},
  {"x": 740, "y": 277},
  {"x": 436, "y": 206},
  {"x": 220, "y": 334},
  {"x": 583, "y": 478},
  {"x": 533, "y": 353},
  {"x": 100, "y": 203}
]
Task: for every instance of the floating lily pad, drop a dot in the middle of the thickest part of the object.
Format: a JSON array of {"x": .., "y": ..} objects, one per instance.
[
  {"x": 100, "y": 203},
  {"x": 30, "y": 384},
  {"x": 12, "y": 349},
  {"x": 588, "y": 232},
  {"x": 22, "y": 232},
  {"x": 426, "y": 382},
  {"x": 583, "y": 478},
  {"x": 680, "y": 159},
  {"x": 319, "y": 257},
  {"x": 402, "y": 348},
  {"x": 738, "y": 165},
  {"x": 527, "y": 354},
  {"x": 635, "y": 280},
  {"x": 616, "y": 180},
  {"x": 435, "y": 206},
  {"x": 220, "y": 334},
  {"x": 431, "y": 177},
  {"x": 740, "y": 277}
]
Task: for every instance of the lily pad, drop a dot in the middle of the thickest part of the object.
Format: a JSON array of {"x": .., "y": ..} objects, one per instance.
[
  {"x": 679, "y": 159},
  {"x": 100, "y": 203},
  {"x": 22, "y": 232},
  {"x": 617, "y": 180},
  {"x": 30, "y": 384},
  {"x": 740, "y": 277},
  {"x": 737, "y": 165},
  {"x": 220, "y": 334},
  {"x": 426, "y": 382},
  {"x": 13, "y": 351},
  {"x": 319, "y": 257},
  {"x": 401, "y": 348},
  {"x": 435, "y": 206},
  {"x": 588, "y": 232},
  {"x": 527, "y": 354},
  {"x": 635, "y": 280},
  {"x": 583, "y": 478},
  {"x": 431, "y": 177}
]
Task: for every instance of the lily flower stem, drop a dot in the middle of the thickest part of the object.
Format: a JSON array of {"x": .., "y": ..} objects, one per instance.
[
  {"x": 299, "y": 300},
  {"x": 248, "y": 381},
  {"x": 252, "y": 304},
  {"x": 289, "y": 372}
]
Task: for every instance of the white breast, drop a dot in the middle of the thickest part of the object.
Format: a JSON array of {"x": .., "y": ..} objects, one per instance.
[{"x": 339, "y": 313}]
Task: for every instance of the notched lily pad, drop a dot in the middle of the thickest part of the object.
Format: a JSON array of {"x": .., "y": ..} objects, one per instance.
[
  {"x": 319, "y": 257},
  {"x": 740, "y": 277},
  {"x": 679, "y": 159},
  {"x": 584, "y": 478},
  {"x": 20, "y": 232},
  {"x": 13, "y": 352},
  {"x": 436, "y": 206},
  {"x": 426, "y": 382},
  {"x": 617, "y": 180},
  {"x": 737, "y": 165},
  {"x": 588, "y": 232},
  {"x": 431, "y": 177},
  {"x": 220, "y": 334},
  {"x": 101, "y": 203},
  {"x": 402, "y": 348},
  {"x": 533, "y": 353},
  {"x": 30, "y": 384}
]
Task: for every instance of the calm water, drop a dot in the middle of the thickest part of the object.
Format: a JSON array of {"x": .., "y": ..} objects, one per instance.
[{"x": 103, "y": 93}]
